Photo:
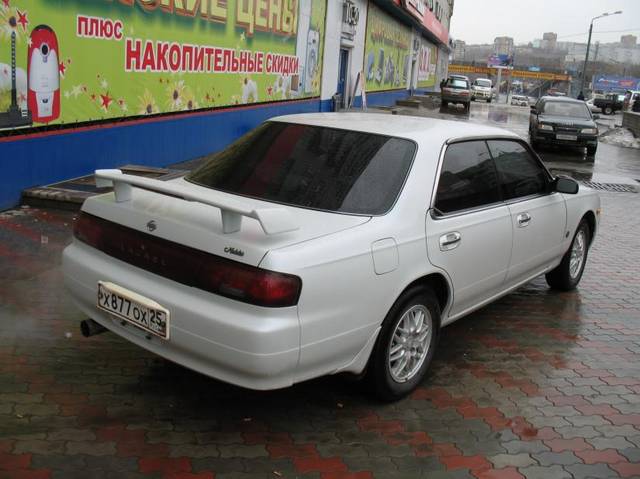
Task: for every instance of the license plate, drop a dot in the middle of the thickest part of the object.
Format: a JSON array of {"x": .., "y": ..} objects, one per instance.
[
  {"x": 142, "y": 312},
  {"x": 567, "y": 137}
]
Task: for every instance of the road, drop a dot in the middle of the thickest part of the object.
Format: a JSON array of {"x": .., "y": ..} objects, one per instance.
[{"x": 539, "y": 384}]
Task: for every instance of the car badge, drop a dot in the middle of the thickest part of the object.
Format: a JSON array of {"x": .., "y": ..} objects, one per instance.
[
  {"x": 231, "y": 250},
  {"x": 151, "y": 225}
]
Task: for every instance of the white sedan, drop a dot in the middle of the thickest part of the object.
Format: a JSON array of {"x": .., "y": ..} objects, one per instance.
[{"x": 325, "y": 243}]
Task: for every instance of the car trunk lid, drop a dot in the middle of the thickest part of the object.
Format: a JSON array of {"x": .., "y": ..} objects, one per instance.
[{"x": 199, "y": 225}]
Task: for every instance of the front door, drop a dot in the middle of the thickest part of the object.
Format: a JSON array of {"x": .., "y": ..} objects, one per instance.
[
  {"x": 469, "y": 228},
  {"x": 538, "y": 217},
  {"x": 342, "y": 75}
]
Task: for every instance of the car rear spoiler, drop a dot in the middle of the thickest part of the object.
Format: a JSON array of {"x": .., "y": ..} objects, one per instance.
[{"x": 273, "y": 220}]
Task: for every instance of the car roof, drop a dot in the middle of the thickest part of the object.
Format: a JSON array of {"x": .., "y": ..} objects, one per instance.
[
  {"x": 431, "y": 131},
  {"x": 563, "y": 99}
]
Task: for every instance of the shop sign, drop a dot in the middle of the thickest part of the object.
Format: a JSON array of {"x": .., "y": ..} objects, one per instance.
[
  {"x": 425, "y": 12},
  {"x": 106, "y": 59},
  {"x": 387, "y": 54}
]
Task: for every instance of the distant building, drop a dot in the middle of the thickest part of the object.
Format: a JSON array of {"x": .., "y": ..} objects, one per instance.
[
  {"x": 459, "y": 48},
  {"x": 628, "y": 41},
  {"x": 503, "y": 45},
  {"x": 549, "y": 41}
]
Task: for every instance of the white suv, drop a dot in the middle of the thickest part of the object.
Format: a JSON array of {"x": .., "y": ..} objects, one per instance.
[{"x": 481, "y": 89}]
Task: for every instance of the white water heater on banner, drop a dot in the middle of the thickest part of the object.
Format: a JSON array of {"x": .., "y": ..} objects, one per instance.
[
  {"x": 307, "y": 47},
  {"x": 43, "y": 96}
]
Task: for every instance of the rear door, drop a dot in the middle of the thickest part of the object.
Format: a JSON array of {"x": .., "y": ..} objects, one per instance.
[
  {"x": 538, "y": 217},
  {"x": 469, "y": 228}
]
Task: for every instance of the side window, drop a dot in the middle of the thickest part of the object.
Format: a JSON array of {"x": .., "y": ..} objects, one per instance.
[
  {"x": 520, "y": 173},
  {"x": 468, "y": 178}
]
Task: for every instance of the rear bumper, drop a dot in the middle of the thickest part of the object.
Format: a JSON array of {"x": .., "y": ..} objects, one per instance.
[
  {"x": 250, "y": 346},
  {"x": 456, "y": 99}
]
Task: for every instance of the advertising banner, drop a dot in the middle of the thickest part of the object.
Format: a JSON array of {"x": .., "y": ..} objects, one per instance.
[
  {"x": 453, "y": 68},
  {"x": 72, "y": 61},
  {"x": 500, "y": 61},
  {"x": 615, "y": 83},
  {"x": 387, "y": 52},
  {"x": 427, "y": 64}
]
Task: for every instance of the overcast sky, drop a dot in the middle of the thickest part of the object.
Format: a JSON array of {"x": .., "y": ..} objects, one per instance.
[{"x": 480, "y": 21}]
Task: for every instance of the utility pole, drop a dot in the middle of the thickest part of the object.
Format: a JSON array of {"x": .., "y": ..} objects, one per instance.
[
  {"x": 586, "y": 60},
  {"x": 586, "y": 57}
]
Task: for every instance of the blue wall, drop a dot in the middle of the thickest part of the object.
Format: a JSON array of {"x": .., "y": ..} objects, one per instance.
[
  {"x": 48, "y": 158},
  {"x": 42, "y": 159},
  {"x": 383, "y": 98}
]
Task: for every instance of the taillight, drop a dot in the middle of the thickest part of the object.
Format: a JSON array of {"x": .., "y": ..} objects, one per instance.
[
  {"x": 189, "y": 266},
  {"x": 248, "y": 283},
  {"x": 87, "y": 230}
]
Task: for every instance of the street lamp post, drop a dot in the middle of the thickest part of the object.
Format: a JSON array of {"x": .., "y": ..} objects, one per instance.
[{"x": 586, "y": 57}]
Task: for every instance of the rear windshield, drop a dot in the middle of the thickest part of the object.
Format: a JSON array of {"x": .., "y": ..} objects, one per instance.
[
  {"x": 559, "y": 108},
  {"x": 312, "y": 167},
  {"x": 455, "y": 83}
]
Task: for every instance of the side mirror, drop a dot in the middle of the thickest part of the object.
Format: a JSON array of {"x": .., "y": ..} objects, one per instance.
[
  {"x": 595, "y": 117},
  {"x": 564, "y": 184}
]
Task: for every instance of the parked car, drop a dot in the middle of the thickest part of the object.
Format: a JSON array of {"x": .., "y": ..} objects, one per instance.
[
  {"x": 592, "y": 107},
  {"x": 325, "y": 243},
  {"x": 610, "y": 103},
  {"x": 630, "y": 98},
  {"x": 519, "y": 100},
  {"x": 481, "y": 89},
  {"x": 563, "y": 121},
  {"x": 456, "y": 90}
]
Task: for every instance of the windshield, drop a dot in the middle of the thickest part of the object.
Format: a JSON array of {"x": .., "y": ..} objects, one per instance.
[
  {"x": 486, "y": 83},
  {"x": 558, "y": 108},
  {"x": 312, "y": 167},
  {"x": 455, "y": 83}
]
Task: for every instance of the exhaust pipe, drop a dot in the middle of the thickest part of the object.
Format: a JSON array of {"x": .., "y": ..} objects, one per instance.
[{"x": 89, "y": 327}]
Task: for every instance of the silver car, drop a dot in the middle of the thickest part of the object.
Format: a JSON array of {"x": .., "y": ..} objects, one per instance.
[{"x": 325, "y": 243}]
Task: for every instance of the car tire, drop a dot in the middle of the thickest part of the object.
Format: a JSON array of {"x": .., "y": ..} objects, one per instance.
[
  {"x": 388, "y": 379},
  {"x": 607, "y": 110},
  {"x": 568, "y": 273},
  {"x": 489, "y": 100},
  {"x": 444, "y": 103},
  {"x": 473, "y": 98},
  {"x": 467, "y": 107},
  {"x": 591, "y": 151}
]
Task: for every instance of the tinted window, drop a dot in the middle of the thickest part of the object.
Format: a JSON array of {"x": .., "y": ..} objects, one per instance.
[
  {"x": 520, "y": 174},
  {"x": 456, "y": 83},
  {"x": 468, "y": 178},
  {"x": 312, "y": 167},
  {"x": 565, "y": 108}
]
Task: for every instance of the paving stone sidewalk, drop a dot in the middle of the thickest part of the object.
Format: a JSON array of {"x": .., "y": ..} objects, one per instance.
[{"x": 540, "y": 384}]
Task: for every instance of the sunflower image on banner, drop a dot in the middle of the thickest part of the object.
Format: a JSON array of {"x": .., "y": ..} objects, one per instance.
[{"x": 73, "y": 61}]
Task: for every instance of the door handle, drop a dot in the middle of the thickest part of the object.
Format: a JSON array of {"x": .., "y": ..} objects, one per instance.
[
  {"x": 450, "y": 241},
  {"x": 523, "y": 220}
]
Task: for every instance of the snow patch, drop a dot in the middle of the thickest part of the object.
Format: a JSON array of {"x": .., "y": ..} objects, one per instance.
[{"x": 620, "y": 137}]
